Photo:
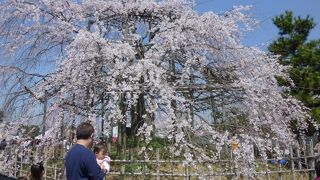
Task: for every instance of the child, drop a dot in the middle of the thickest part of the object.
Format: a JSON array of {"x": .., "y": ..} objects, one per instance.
[{"x": 101, "y": 155}]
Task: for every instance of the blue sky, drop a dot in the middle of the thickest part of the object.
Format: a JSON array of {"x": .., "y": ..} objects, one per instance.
[{"x": 264, "y": 11}]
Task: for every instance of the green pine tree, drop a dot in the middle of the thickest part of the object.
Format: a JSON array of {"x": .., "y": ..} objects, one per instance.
[{"x": 303, "y": 56}]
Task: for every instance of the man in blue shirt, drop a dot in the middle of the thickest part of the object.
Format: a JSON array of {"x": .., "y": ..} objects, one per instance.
[{"x": 80, "y": 161}]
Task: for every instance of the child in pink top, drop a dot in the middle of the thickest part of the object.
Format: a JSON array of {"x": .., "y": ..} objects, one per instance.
[{"x": 103, "y": 160}]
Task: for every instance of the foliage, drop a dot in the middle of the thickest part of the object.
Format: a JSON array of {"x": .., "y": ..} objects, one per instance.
[
  {"x": 304, "y": 58},
  {"x": 31, "y": 131},
  {"x": 158, "y": 142}
]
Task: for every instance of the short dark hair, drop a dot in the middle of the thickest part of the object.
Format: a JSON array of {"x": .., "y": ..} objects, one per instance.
[
  {"x": 84, "y": 130},
  {"x": 318, "y": 168},
  {"x": 100, "y": 147},
  {"x": 36, "y": 171}
]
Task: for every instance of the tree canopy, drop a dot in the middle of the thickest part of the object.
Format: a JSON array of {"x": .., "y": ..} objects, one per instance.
[{"x": 158, "y": 67}]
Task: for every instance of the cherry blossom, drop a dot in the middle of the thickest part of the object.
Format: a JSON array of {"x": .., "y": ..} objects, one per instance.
[{"x": 112, "y": 56}]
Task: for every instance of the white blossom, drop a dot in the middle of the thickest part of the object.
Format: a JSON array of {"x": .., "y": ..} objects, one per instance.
[{"x": 112, "y": 53}]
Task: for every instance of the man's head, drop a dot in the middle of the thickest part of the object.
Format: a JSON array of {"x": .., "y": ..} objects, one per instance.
[{"x": 85, "y": 133}]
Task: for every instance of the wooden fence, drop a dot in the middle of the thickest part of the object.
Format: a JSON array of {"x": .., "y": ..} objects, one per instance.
[{"x": 16, "y": 161}]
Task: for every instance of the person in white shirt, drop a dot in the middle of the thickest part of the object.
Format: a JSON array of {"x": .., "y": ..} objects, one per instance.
[{"x": 100, "y": 150}]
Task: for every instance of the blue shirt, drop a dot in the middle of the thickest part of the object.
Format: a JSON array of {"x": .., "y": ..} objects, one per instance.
[{"x": 81, "y": 164}]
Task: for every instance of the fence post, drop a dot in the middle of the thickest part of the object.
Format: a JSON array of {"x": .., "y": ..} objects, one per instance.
[
  {"x": 220, "y": 167},
  {"x": 45, "y": 162},
  {"x": 292, "y": 163},
  {"x": 158, "y": 164},
  {"x": 144, "y": 167},
  {"x": 279, "y": 171},
  {"x": 36, "y": 154},
  {"x": 15, "y": 164},
  {"x": 211, "y": 175},
  {"x": 299, "y": 162},
  {"x": 122, "y": 171},
  {"x": 20, "y": 162},
  {"x": 311, "y": 158},
  {"x": 186, "y": 167},
  {"x": 305, "y": 153},
  {"x": 172, "y": 166},
  {"x": 131, "y": 161},
  {"x": 233, "y": 164},
  {"x": 267, "y": 170},
  {"x": 55, "y": 171}
]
